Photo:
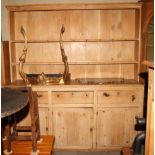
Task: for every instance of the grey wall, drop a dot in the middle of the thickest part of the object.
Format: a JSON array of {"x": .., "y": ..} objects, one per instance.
[{"x": 4, "y": 19}]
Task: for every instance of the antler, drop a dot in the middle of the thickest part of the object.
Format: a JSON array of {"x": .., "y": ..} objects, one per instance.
[
  {"x": 66, "y": 74},
  {"x": 22, "y": 58}
]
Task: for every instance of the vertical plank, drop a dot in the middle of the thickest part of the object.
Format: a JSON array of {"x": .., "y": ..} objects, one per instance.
[
  {"x": 149, "y": 143},
  {"x": 11, "y": 25},
  {"x": 5, "y": 63}
]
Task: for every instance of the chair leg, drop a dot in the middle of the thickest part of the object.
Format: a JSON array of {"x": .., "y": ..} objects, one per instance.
[
  {"x": 15, "y": 133},
  {"x": 8, "y": 138},
  {"x": 34, "y": 128},
  {"x": 34, "y": 119}
]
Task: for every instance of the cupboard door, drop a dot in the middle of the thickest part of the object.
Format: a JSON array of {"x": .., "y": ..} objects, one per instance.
[
  {"x": 73, "y": 127},
  {"x": 115, "y": 127},
  {"x": 43, "y": 119}
]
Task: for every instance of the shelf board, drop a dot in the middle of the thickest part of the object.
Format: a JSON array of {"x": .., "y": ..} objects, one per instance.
[
  {"x": 78, "y": 63},
  {"x": 95, "y": 6},
  {"x": 19, "y": 82},
  {"x": 75, "y": 40}
]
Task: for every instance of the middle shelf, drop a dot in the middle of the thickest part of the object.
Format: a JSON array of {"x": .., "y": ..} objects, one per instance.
[
  {"x": 76, "y": 40},
  {"x": 77, "y": 63}
]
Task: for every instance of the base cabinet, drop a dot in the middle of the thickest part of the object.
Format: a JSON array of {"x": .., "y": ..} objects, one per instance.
[
  {"x": 115, "y": 127},
  {"x": 93, "y": 118},
  {"x": 73, "y": 127}
]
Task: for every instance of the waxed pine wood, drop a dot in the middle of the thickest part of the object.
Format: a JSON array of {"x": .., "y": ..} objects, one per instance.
[
  {"x": 100, "y": 41},
  {"x": 76, "y": 97},
  {"x": 115, "y": 126},
  {"x": 44, "y": 121},
  {"x": 45, "y": 147},
  {"x": 112, "y": 43},
  {"x": 67, "y": 120},
  {"x": 73, "y": 127},
  {"x": 127, "y": 151},
  {"x": 5, "y": 63},
  {"x": 117, "y": 97},
  {"x": 149, "y": 143}
]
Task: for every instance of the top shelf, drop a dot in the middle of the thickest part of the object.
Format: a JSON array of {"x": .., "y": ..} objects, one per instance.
[
  {"x": 75, "y": 40},
  {"x": 79, "y": 6}
]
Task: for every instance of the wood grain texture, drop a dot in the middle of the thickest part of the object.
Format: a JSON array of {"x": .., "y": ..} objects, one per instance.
[
  {"x": 113, "y": 39},
  {"x": 149, "y": 143},
  {"x": 73, "y": 127},
  {"x": 72, "y": 97},
  {"x": 25, "y": 147},
  {"x": 77, "y": 124},
  {"x": 100, "y": 41},
  {"x": 73, "y": 6},
  {"x": 115, "y": 126},
  {"x": 127, "y": 151},
  {"x": 5, "y": 63},
  {"x": 78, "y": 24}
]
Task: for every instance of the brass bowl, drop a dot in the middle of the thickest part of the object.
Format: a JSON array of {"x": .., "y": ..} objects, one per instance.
[{"x": 45, "y": 79}]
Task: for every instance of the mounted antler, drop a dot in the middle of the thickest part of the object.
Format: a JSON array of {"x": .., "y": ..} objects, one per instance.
[
  {"x": 22, "y": 59},
  {"x": 66, "y": 74}
]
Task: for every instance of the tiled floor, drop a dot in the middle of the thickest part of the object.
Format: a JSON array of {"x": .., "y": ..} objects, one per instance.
[{"x": 85, "y": 153}]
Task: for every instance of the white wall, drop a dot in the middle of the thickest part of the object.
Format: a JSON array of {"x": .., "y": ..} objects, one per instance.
[{"x": 4, "y": 19}]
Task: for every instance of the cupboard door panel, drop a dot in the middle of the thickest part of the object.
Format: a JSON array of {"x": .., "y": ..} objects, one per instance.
[
  {"x": 44, "y": 119},
  {"x": 73, "y": 127},
  {"x": 115, "y": 127}
]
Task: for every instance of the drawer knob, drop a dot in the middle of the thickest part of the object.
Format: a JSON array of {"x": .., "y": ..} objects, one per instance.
[
  {"x": 106, "y": 94},
  {"x": 133, "y": 98},
  {"x": 91, "y": 129},
  {"x": 39, "y": 96}
]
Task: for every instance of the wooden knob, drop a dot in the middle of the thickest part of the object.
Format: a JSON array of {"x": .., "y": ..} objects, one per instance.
[{"x": 106, "y": 94}]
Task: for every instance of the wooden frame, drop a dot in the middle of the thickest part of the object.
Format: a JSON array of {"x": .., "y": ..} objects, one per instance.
[
  {"x": 100, "y": 41},
  {"x": 122, "y": 51}
]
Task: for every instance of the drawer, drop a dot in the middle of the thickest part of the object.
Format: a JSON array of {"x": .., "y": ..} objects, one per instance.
[
  {"x": 72, "y": 97},
  {"x": 117, "y": 97},
  {"x": 42, "y": 97}
]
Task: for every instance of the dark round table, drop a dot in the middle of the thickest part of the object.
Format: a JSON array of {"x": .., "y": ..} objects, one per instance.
[{"x": 13, "y": 100}]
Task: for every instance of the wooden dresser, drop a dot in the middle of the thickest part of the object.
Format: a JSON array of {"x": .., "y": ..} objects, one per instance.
[{"x": 102, "y": 42}]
